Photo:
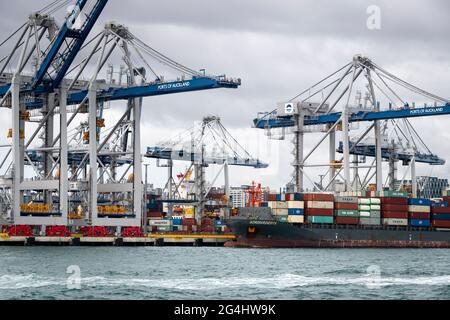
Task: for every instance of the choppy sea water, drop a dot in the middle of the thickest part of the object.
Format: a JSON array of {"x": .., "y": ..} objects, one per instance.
[{"x": 222, "y": 273}]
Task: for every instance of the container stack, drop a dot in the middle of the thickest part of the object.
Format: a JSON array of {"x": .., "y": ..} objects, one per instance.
[
  {"x": 177, "y": 223},
  {"x": 394, "y": 209},
  {"x": 346, "y": 210},
  {"x": 296, "y": 210},
  {"x": 419, "y": 212},
  {"x": 319, "y": 208},
  {"x": 279, "y": 209},
  {"x": 369, "y": 211},
  {"x": 294, "y": 196},
  {"x": 160, "y": 225},
  {"x": 189, "y": 225},
  {"x": 207, "y": 225},
  {"x": 441, "y": 214}
]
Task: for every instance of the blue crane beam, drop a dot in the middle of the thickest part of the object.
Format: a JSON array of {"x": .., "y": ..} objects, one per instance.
[
  {"x": 156, "y": 89},
  {"x": 362, "y": 116},
  {"x": 147, "y": 90},
  {"x": 169, "y": 154},
  {"x": 74, "y": 39},
  {"x": 386, "y": 153}
]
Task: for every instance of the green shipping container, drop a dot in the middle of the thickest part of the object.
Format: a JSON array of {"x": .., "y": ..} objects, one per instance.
[
  {"x": 347, "y": 213},
  {"x": 392, "y": 194},
  {"x": 282, "y": 218},
  {"x": 319, "y": 219}
]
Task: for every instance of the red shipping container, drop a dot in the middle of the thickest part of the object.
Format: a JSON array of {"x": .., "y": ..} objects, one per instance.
[
  {"x": 394, "y": 207},
  {"x": 446, "y": 199},
  {"x": 440, "y": 210},
  {"x": 347, "y": 220},
  {"x": 345, "y": 206},
  {"x": 272, "y": 197},
  {"x": 318, "y": 197},
  {"x": 419, "y": 215},
  {"x": 394, "y": 215},
  {"x": 189, "y": 222},
  {"x": 154, "y": 214},
  {"x": 394, "y": 200},
  {"x": 319, "y": 212},
  {"x": 441, "y": 223}
]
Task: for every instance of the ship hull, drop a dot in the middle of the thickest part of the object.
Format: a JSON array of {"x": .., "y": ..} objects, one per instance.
[{"x": 272, "y": 234}]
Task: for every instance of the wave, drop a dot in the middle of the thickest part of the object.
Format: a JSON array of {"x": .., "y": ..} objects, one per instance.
[{"x": 284, "y": 281}]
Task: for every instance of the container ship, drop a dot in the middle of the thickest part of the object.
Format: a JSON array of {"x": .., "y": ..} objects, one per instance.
[{"x": 385, "y": 219}]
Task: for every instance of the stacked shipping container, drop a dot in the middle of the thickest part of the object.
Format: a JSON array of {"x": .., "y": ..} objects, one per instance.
[
  {"x": 440, "y": 212},
  {"x": 419, "y": 212},
  {"x": 394, "y": 210},
  {"x": 319, "y": 207},
  {"x": 346, "y": 210}
]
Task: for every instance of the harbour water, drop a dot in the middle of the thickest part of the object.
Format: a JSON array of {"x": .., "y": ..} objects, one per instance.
[{"x": 222, "y": 273}]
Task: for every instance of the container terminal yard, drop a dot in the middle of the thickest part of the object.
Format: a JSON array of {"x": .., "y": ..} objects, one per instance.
[{"x": 69, "y": 178}]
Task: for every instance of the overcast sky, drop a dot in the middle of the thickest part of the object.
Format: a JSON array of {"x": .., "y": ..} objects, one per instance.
[{"x": 277, "y": 48}]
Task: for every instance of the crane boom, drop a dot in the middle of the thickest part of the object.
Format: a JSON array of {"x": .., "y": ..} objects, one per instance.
[
  {"x": 61, "y": 57},
  {"x": 362, "y": 116}
]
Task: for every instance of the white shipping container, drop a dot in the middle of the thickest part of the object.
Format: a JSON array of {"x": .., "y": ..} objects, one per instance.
[
  {"x": 296, "y": 219},
  {"x": 364, "y": 207},
  {"x": 320, "y": 205},
  {"x": 295, "y": 204},
  {"x": 271, "y": 204},
  {"x": 375, "y": 207},
  {"x": 395, "y": 222},
  {"x": 364, "y": 214},
  {"x": 281, "y": 205},
  {"x": 364, "y": 201},
  {"x": 160, "y": 223},
  {"x": 280, "y": 212},
  {"x": 424, "y": 209}
]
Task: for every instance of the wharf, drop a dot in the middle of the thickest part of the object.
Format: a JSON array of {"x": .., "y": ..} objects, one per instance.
[{"x": 197, "y": 240}]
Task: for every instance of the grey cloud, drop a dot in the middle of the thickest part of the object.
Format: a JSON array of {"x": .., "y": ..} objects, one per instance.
[{"x": 278, "y": 48}]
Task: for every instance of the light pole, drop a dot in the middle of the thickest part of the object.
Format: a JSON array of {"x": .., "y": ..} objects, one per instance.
[{"x": 145, "y": 197}]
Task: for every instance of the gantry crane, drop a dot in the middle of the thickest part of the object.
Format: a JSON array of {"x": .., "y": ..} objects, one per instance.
[
  {"x": 304, "y": 116},
  {"x": 58, "y": 58},
  {"x": 206, "y": 143}
]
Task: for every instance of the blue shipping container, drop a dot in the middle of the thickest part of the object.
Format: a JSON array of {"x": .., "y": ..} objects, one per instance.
[
  {"x": 441, "y": 216},
  {"x": 420, "y": 223},
  {"x": 295, "y": 212},
  {"x": 177, "y": 222},
  {"x": 265, "y": 204},
  {"x": 298, "y": 197},
  {"x": 419, "y": 202},
  {"x": 439, "y": 204}
]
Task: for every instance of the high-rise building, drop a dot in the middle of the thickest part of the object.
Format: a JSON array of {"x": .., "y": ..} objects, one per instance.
[
  {"x": 427, "y": 187},
  {"x": 237, "y": 197}
]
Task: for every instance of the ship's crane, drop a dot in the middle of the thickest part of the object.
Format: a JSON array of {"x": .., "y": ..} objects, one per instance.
[
  {"x": 65, "y": 87},
  {"x": 300, "y": 115},
  {"x": 206, "y": 143}
]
